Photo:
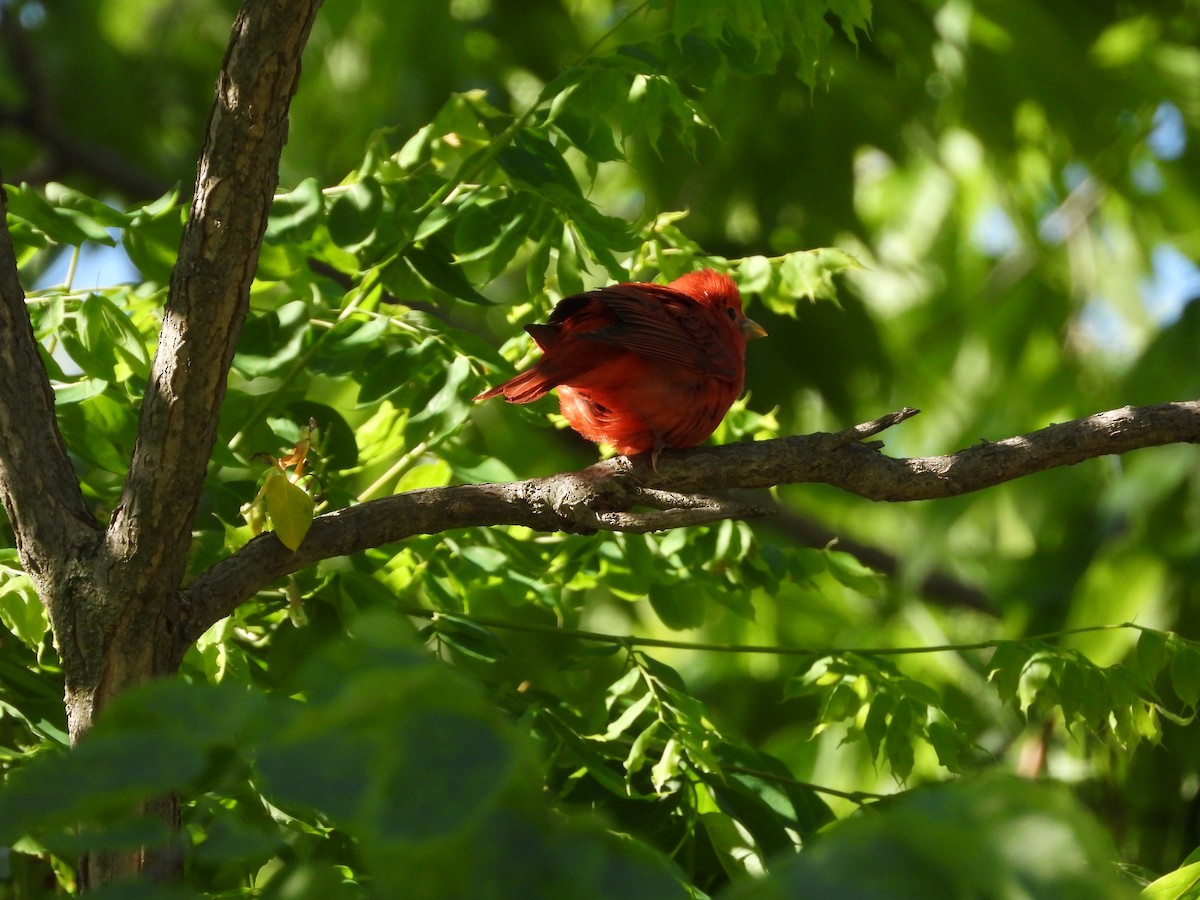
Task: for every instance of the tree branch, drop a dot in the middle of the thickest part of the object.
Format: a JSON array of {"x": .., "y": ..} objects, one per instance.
[
  {"x": 38, "y": 486},
  {"x": 237, "y": 175},
  {"x": 586, "y": 501}
]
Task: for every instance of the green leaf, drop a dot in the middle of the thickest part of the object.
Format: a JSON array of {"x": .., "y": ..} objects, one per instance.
[
  {"x": 875, "y": 724},
  {"x": 841, "y": 703},
  {"x": 439, "y": 770},
  {"x": 32, "y": 697},
  {"x": 668, "y": 765},
  {"x": 105, "y": 328},
  {"x": 95, "y": 212},
  {"x": 1185, "y": 672},
  {"x": 1036, "y": 677},
  {"x": 433, "y": 474},
  {"x": 570, "y": 281},
  {"x": 755, "y": 816},
  {"x": 63, "y": 225},
  {"x": 442, "y": 215},
  {"x": 698, "y": 744},
  {"x": 624, "y": 685},
  {"x": 636, "y": 759},
  {"x": 534, "y": 160},
  {"x": 153, "y": 236},
  {"x": 481, "y": 640},
  {"x": 492, "y": 231},
  {"x": 95, "y": 778},
  {"x": 290, "y": 508},
  {"x": 1072, "y": 683},
  {"x": 47, "y": 316},
  {"x": 274, "y": 340},
  {"x": 433, "y": 264},
  {"x": 386, "y": 373},
  {"x": 816, "y": 679},
  {"x": 350, "y": 338},
  {"x": 1005, "y": 668},
  {"x": 1151, "y": 652},
  {"x": 956, "y": 840},
  {"x": 354, "y": 212},
  {"x": 78, "y": 391},
  {"x": 590, "y": 656},
  {"x": 602, "y": 769},
  {"x": 1182, "y": 884},
  {"x": 446, "y": 410},
  {"x": 898, "y": 744},
  {"x": 590, "y": 134},
  {"x": 22, "y": 611},
  {"x": 809, "y": 273},
  {"x": 852, "y": 573},
  {"x": 338, "y": 448},
  {"x": 947, "y": 743},
  {"x": 539, "y": 262},
  {"x": 101, "y": 414},
  {"x": 734, "y": 846},
  {"x": 678, "y": 606},
  {"x": 1096, "y": 696},
  {"x": 754, "y": 274},
  {"x": 647, "y": 109},
  {"x": 295, "y": 215},
  {"x": 630, "y": 715}
]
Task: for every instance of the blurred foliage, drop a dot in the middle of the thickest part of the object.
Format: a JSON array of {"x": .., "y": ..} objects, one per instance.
[{"x": 1007, "y": 198}]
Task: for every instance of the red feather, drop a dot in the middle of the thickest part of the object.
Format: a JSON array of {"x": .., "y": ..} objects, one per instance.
[{"x": 642, "y": 366}]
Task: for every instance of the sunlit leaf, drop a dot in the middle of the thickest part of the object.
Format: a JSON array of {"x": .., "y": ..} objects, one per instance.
[
  {"x": 21, "y": 610},
  {"x": 668, "y": 764},
  {"x": 290, "y": 508},
  {"x": 1182, "y": 884},
  {"x": 60, "y": 223}
]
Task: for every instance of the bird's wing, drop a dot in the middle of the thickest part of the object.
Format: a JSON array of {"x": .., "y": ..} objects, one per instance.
[{"x": 654, "y": 321}]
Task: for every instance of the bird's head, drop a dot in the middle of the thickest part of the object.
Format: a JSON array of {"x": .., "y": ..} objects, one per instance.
[{"x": 718, "y": 292}]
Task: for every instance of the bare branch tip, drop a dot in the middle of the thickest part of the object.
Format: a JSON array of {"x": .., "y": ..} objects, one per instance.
[{"x": 861, "y": 432}]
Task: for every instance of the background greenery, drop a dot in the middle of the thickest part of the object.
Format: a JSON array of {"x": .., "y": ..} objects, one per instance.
[{"x": 1010, "y": 193}]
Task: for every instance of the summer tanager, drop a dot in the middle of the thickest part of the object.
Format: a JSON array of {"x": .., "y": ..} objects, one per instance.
[{"x": 642, "y": 366}]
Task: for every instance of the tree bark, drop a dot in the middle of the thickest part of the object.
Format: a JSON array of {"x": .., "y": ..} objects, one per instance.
[
  {"x": 112, "y": 594},
  {"x": 602, "y": 497}
]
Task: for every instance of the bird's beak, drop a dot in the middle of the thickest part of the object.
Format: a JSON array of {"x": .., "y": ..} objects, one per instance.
[{"x": 752, "y": 329}]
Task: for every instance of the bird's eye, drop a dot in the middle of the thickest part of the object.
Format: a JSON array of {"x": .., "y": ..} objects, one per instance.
[{"x": 731, "y": 314}]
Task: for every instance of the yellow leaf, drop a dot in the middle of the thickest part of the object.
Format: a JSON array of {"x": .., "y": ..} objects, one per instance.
[{"x": 290, "y": 509}]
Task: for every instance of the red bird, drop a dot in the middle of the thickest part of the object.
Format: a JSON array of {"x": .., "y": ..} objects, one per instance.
[{"x": 642, "y": 366}]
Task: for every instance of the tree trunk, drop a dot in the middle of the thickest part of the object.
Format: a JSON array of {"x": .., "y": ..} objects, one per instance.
[
  {"x": 113, "y": 595},
  {"x": 109, "y": 642}
]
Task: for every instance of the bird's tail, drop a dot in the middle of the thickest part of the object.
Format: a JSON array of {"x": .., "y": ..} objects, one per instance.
[{"x": 524, "y": 388}]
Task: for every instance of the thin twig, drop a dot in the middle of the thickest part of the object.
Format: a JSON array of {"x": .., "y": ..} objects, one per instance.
[
  {"x": 628, "y": 641},
  {"x": 861, "y": 798}
]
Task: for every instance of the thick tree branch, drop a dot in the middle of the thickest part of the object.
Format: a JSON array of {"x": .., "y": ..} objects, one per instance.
[
  {"x": 837, "y": 460},
  {"x": 150, "y": 531},
  {"x": 600, "y": 497},
  {"x": 38, "y": 486}
]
